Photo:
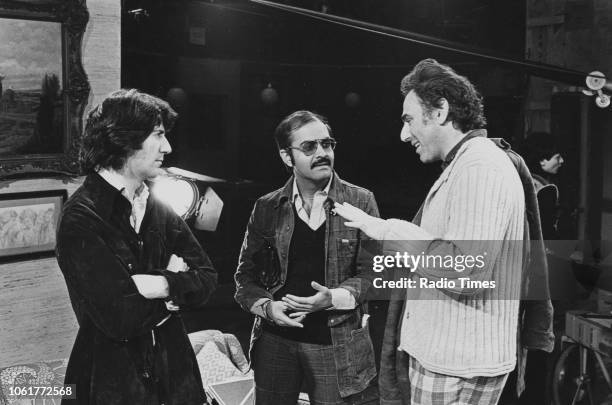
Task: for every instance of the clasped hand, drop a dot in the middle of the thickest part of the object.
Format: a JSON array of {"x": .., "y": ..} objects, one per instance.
[
  {"x": 154, "y": 287},
  {"x": 321, "y": 300},
  {"x": 276, "y": 311},
  {"x": 301, "y": 306}
]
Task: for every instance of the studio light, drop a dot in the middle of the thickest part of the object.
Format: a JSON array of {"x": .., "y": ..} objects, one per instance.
[
  {"x": 179, "y": 190},
  {"x": 596, "y": 83}
]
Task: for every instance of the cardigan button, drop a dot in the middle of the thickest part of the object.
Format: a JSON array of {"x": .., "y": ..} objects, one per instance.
[
  {"x": 130, "y": 266},
  {"x": 146, "y": 374}
]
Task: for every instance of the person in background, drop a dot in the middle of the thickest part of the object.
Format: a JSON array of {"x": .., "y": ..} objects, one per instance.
[
  {"x": 544, "y": 161},
  {"x": 130, "y": 263},
  {"x": 298, "y": 274}
]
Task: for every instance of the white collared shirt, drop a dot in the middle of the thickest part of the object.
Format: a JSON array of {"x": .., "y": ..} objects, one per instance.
[
  {"x": 138, "y": 201},
  {"x": 317, "y": 211}
]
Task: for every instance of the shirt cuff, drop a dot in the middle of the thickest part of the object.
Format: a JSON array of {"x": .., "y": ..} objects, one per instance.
[
  {"x": 342, "y": 299},
  {"x": 259, "y": 306}
]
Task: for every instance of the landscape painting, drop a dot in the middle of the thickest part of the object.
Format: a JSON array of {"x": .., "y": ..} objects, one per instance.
[{"x": 31, "y": 87}]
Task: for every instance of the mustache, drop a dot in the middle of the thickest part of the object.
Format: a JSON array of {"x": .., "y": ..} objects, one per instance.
[{"x": 321, "y": 161}]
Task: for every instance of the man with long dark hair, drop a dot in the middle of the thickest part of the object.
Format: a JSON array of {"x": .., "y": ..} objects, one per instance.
[{"x": 130, "y": 263}]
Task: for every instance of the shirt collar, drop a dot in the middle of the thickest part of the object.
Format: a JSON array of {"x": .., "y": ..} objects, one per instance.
[
  {"x": 119, "y": 182},
  {"x": 453, "y": 152},
  {"x": 296, "y": 191},
  {"x": 336, "y": 191}
]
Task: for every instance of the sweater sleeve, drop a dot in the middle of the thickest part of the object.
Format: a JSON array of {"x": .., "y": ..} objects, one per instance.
[{"x": 478, "y": 211}]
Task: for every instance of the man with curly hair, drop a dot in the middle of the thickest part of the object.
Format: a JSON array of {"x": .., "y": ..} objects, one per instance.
[
  {"x": 130, "y": 264},
  {"x": 454, "y": 342}
]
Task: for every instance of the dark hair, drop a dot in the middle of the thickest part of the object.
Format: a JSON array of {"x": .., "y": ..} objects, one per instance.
[
  {"x": 433, "y": 81},
  {"x": 292, "y": 123},
  {"x": 117, "y": 127},
  {"x": 538, "y": 146}
]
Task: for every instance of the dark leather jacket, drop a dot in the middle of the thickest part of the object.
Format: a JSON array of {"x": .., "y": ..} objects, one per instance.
[
  {"x": 535, "y": 313},
  {"x": 272, "y": 223},
  {"x": 114, "y": 360}
]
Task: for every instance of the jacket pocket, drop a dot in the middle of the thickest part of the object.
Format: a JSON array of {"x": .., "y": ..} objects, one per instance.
[
  {"x": 354, "y": 358},
  {"x": 345, "y": 257},
  {"x": 347, "y": 248},
  {"x": 362, "y": 349}
]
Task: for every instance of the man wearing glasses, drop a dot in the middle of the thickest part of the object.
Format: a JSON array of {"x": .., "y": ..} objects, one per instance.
[{"x": 298, "y": 273}]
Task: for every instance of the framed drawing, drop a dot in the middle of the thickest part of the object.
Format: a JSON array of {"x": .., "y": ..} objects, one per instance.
[
  {"x": 28, "y": 222},
  {"x": 43, "y": 87}
]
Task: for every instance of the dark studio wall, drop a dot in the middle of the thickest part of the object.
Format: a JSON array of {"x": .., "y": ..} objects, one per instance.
[{"x": 223, "y": 54}]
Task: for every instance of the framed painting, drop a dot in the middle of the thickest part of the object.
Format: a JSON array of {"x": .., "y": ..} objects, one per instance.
[
  {"x": 28, "y": 223},
  {"x": 43, "y": 87}
]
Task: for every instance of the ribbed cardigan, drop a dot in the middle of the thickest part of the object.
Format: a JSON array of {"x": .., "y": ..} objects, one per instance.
[{"x": 464, "y": 332}]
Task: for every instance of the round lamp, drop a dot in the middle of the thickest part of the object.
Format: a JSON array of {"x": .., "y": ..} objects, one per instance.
[
  {"x": 177, "y": 97},
  {"x": 269, "y": 95},
  {"x": 352, "y": 99}
]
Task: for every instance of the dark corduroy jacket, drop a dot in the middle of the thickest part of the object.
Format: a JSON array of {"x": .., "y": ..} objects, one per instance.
[
  {"x": 535, "y": 314},
  {"x": 121, "y": 355}
]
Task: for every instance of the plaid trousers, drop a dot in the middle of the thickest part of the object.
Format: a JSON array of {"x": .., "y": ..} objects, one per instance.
[{"x": 429, "y": 388}]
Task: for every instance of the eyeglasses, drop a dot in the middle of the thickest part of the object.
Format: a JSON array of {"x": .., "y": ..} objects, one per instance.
[{"x": 308, "y": 148}]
